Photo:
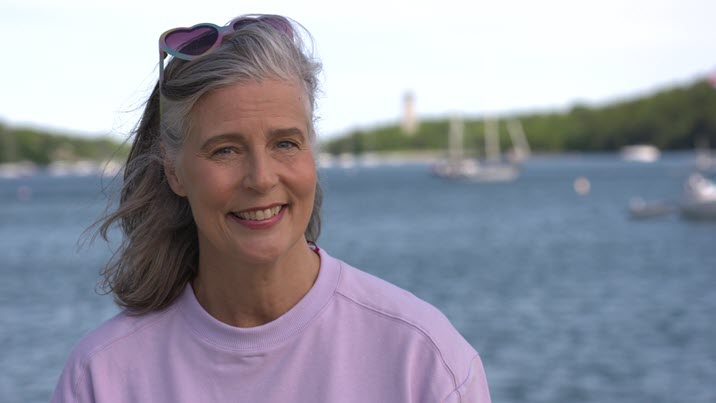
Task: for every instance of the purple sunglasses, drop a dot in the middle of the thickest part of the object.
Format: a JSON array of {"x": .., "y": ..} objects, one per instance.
[{"x": 191, "y": 43}]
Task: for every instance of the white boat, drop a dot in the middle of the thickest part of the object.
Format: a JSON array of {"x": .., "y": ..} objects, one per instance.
[
  {"x": 14, "y": 170},
  {"x": 641, "y": 209},
  {"x": 699, "y": 201},
  {"x": 472, "y": 170},
  {"x": 493, "y": 169},
  {"x": 640, "y": 153}
]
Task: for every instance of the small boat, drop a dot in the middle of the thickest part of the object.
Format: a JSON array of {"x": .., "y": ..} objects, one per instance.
[
  {"x": 699, "y": 201},
  {"x": 14, "y": 170},
  {"x": 640, "y": 209},
  {"x": 640, "y": 153}
]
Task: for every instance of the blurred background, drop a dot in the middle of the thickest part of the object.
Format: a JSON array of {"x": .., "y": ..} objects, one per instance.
[{"x": 542, "y": 172}]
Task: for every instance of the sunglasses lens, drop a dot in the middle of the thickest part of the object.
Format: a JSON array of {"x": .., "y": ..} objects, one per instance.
[{"x": 192, "y": 42}]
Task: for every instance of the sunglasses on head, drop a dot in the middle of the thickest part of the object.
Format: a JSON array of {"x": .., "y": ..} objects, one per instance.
[{"x": 191, "y": 43}]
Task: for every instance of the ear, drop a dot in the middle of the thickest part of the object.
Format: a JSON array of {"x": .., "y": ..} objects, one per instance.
[{"x": 170, "y": 171}]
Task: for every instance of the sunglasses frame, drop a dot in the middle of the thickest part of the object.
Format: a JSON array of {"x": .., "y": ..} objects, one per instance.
[{"x": 166, "y": 50}]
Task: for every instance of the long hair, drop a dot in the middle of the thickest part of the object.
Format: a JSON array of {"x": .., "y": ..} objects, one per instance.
[{"x": 159, "y": 251}]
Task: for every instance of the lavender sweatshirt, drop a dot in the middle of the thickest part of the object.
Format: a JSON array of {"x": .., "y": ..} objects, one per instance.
[{"x": 352, "y": 338}]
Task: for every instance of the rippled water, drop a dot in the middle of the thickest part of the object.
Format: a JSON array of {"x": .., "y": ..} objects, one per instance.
[{"x": 565, "y": 297}]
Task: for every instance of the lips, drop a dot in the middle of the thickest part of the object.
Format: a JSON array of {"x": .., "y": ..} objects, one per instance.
[{"x": 258, "y": 214}]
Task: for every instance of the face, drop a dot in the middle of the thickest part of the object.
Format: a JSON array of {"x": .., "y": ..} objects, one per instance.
[{"x": 248, "y": 172}]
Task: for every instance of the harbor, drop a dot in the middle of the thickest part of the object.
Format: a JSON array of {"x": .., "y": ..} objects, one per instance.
[{"x": 564, "y": 294}]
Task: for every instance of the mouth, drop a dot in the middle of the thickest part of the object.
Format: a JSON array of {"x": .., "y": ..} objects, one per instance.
[{"x": 259, "y": 214}]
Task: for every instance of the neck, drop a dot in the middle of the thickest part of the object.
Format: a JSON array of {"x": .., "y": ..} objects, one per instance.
[{"x": 243, "y": 294}]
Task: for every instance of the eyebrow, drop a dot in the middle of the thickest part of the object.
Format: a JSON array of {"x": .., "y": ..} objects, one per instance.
[{"x": 239, "y": 137}]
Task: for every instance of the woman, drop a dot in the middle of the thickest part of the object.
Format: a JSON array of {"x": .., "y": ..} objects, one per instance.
[{"x": 226, "y": 297}]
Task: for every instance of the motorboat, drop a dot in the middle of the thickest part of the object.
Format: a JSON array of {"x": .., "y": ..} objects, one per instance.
[
  {"x": 640, "y": 153},
  {"x": 699, "y": 202}
]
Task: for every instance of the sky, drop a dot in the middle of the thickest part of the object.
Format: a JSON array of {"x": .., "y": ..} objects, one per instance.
[{"x": 85, "y": 67}]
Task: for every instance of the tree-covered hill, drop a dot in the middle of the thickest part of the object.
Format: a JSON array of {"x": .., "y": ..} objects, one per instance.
[
  {"x": 674, "y": 118},
  {"x": 42, "y": 148}
]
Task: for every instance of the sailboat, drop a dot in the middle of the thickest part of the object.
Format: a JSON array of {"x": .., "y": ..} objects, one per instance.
[{"x": 493, "y": 168}]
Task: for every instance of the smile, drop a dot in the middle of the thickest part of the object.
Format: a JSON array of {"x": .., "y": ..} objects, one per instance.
[{"x": 259, "y": 214}]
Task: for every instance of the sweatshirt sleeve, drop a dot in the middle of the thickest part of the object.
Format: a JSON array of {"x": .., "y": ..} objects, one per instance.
[
  {"x": 74, "y": 385},
  {"x": 474, "y": 388}
]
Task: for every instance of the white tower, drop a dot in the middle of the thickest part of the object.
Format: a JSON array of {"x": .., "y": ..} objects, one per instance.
[{"x": 410, "y": 119}]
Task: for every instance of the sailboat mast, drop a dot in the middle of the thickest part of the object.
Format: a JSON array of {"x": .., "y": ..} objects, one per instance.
[
  {"x": 492, "y": 142},
  {"x": 456, "y": 138},
  {"x": 519, "y": 140}
]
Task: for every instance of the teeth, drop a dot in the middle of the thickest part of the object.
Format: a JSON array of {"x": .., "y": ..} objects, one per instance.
[{"x": 258, "y": 215}]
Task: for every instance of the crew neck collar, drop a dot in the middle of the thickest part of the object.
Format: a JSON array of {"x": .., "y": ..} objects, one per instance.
[{"x": 269, "y": 334}]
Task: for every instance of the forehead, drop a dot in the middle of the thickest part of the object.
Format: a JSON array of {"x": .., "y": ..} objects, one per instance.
[{"x": 251, "y": 107}]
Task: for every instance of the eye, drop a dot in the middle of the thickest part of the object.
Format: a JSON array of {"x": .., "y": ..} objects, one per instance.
[
  {"x": 222, "y": 152},
  {"x": 286, "y": 145}
]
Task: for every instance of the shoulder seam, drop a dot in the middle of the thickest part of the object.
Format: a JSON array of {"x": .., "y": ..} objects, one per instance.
[
  {"x": 84, "y": 363},
  {"x": 409, "y": 324},
  {"x": 467, "y": 378}
]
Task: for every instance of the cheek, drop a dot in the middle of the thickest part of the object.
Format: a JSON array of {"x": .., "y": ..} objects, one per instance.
[
  {"x": 211, "y": 185},
  {"x": 306, "y": 177}
]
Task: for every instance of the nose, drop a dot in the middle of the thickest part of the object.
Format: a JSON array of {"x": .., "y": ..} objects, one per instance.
[{"x": 261, "y": 175}]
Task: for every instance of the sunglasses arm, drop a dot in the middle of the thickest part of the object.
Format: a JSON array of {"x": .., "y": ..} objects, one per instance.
[{"x": 162, "y": 56}]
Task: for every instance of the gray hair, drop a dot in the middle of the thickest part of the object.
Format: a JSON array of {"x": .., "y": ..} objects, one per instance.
[{"x": 159, "y": 251}]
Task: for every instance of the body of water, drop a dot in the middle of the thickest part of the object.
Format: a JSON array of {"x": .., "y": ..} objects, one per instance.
[{"x": 565, "y": 297}]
